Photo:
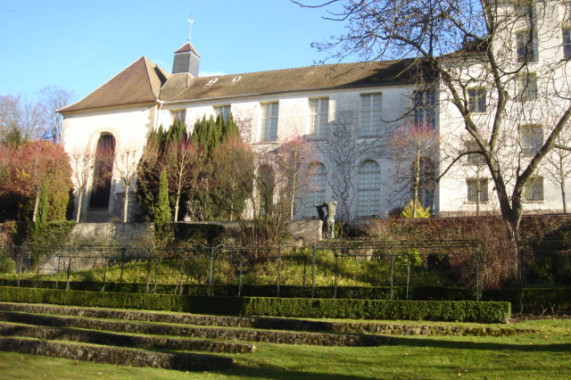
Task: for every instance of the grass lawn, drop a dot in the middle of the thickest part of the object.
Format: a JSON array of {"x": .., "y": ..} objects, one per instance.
[{"x": 545, "y": 355}]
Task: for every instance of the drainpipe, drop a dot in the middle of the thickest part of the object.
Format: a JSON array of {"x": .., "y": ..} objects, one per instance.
[{"x": 159, "y": 106}]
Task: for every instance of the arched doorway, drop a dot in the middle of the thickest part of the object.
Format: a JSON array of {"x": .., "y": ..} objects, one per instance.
[{"x": 102, "y": 172}]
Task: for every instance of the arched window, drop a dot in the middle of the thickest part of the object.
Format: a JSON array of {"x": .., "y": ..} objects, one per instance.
[
  {"x": 103, "y": 171},
  {"x": 315, "y": 193},
  {"x": 265, "y": 185},
  {"x": 368, "y": 190}
]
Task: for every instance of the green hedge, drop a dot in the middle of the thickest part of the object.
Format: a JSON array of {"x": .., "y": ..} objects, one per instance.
[
  {"x": 353, "y": 292},
  {"x": 535, "y": 300},
  {"x": 465, "y": 311}
]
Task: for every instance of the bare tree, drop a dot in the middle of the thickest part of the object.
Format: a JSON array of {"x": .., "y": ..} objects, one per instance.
[
  {"x": 558, "y": 165},
  {"x": 182, "y": 162},
  {"x": 21, "y": 119},
  {"x": 414, "y": 147},
  {"x": 293, "y": 161},
  {"x": 463, "y": 45},
  {"x": 82, "y": 164},
  {"x": 125, "y": 167},
  {"x": 52, "y": 99},
  {"x": 343, "y": 150}
]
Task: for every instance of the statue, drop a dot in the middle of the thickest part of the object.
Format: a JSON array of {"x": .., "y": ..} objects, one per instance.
[{"x": 329, "y": 220}]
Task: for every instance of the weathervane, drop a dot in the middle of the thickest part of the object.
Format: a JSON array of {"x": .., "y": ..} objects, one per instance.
[{"x": 190, "y": 22}]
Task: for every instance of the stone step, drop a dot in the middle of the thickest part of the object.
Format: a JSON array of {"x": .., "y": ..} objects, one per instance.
[
  {"x": 205, "y": 332},
  {"x": 287, "y": 324},
  {"x": 116, "y": 355},
  {"x": 125, "y": 340}
]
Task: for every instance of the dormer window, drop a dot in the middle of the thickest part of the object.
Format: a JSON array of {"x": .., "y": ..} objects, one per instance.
[
  {"x": 212, "y": 81},
  {"x": 236, "y": 79}
]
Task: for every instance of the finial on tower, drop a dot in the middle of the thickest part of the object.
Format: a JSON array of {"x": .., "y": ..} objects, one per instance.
[{"x": 190, "y": 22}]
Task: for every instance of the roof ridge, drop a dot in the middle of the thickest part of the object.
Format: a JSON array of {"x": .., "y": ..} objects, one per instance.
[{"x": 301, "y": 68}]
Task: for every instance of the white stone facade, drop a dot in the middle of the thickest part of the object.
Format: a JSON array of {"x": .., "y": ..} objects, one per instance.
[{"x": 374, "y": 190}]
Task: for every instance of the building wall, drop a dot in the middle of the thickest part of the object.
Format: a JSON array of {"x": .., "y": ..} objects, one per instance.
[
  {"x": 131, "y": 126},
  {"x": 293, "y": 121},
  {"x": 80, "y": 134},
  {"x": 552, "y": 75}
]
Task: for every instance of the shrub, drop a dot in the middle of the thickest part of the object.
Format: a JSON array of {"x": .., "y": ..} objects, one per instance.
[
  {"x": 465, "y": 311},
  {"x": 7, "y": 264}
]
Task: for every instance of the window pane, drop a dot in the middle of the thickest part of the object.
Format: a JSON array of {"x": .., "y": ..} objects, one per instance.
[
  {"x": 527, "y": 84},
  {"x": 477, "y": 188},
  {"x": 369, "y": 178},
  {"x": 477, "y": 100},
  {"x": 316, "y": 191},
  {"x": 270, "y": 121},
  {"x": 531, "y": 139},
  {"x": 533, "y": 189},
  {"x": 319, "y": 117},
  {"x": 566, "y": 43},
  {"x": 425, "y": 108},
  {"x": 370, "y": 118}
]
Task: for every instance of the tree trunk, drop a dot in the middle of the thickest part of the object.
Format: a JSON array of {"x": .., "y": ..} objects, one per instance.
[
  {"x": 126, "y": 205},
  {"x": 563, "y": 196},
  {"x": 513, "y": 226},
  {"x": 36, "y": 205},
  {"x": 562, "y": 178},
  {"x": 79, "y": 205},
  {"x": 177, "y": 204},
  {"x": 416, "y": 184}
]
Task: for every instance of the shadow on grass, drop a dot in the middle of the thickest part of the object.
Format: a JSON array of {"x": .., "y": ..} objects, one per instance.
[
  {"x": 279, "y": 373},
  {"x": 414, "y": 342}
]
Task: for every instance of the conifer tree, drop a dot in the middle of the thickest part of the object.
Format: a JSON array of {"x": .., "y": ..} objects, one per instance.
[{"x": 162, "y": 212}]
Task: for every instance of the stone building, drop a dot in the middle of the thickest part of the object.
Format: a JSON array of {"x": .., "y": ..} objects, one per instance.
[{"x": 349, "y": 112}]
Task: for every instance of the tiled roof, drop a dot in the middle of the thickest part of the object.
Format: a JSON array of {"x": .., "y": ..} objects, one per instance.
[
  {"x": 144, "y": 82},
  {"x": 187, "y": 47},
  {"x": 141, "y": 82},
  {"x": 320, "y": 77}
]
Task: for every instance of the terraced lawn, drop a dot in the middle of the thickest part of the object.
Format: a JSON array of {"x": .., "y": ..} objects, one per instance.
[{"x": 529, "y": 349}]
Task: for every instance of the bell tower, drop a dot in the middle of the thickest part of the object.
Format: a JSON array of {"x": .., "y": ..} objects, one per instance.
[{"x": 186, "y": 59}]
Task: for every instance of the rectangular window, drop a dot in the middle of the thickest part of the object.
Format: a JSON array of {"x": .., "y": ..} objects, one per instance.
[
  {"x": 270, "y": 121},
  {"x": 533, "y": 189},
  {"x": 474, "y": 158},
  {"x": 531, "y": 138},
  {"x": 370, "y": 115},
  {"x": 315, "y": 194},
  {"x": 425, "y": 108},
  {"x": 527, "y": 86},
  {"x": 179, "y": 115},
  {"x": 477, "y": 100},
  {"x": 525, "y": 9},
  {"x": 318, "y": 117},
  {"x": 224, "y": 111},
  {"x": 526, "y": 47},
  {"x": 477, "y": 190},
  {"x": 566, "y": 43}
]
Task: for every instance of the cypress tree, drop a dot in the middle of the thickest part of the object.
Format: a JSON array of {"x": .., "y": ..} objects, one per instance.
[{"x": 162, "y": 208}]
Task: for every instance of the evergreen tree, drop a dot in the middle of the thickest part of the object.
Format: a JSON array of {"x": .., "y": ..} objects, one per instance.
[{"x": 162, "y": 214}]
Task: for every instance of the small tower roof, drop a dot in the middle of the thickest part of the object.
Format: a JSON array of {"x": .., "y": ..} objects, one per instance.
[{"x": 187, "y": 47}]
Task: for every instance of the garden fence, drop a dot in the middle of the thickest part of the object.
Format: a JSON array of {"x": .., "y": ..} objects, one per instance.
[{"x": 327, "y": 267}]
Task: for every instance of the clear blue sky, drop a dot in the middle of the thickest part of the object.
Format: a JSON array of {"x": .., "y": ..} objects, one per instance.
[{"x": 78, "y": 45}]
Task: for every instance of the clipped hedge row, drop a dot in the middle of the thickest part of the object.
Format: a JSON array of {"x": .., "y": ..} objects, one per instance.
[
  {"x": 464, "y": 311},
  {"x": 354, "y": 292},
  {"x": 537, "y": 300}
]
